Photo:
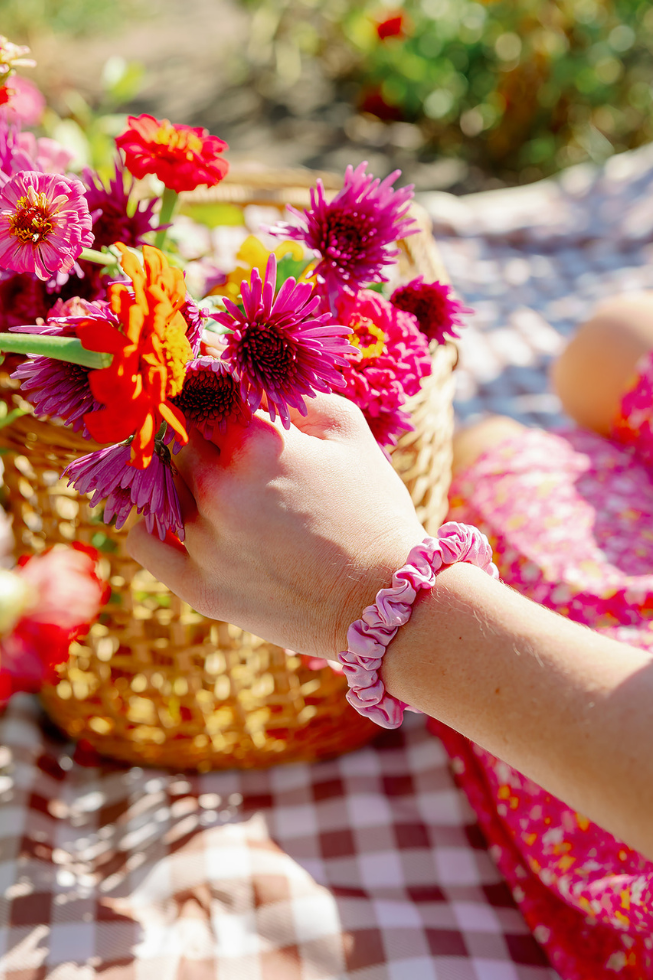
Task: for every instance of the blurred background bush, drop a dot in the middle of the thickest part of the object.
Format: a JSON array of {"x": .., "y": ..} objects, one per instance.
[{"x": 460, "y": 94}]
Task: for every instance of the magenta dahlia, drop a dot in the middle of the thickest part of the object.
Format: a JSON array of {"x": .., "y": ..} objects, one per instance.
[
  {"x": 391, "y": 359},
  {"x": 59, "y": 389},
  {"x": 279, "y": 348},
  {"x": 211, "y": 396},
  {"x": 44, "y": 223},
  {"x": 437, "y": 312},
  {"x": 107, "y": 475},
  {"x": 356, "y": 232}
]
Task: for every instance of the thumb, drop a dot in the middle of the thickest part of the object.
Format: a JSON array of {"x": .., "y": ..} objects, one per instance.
[
  {"x": 328, "y": 415},
  {"x": 167, "y": 560}
]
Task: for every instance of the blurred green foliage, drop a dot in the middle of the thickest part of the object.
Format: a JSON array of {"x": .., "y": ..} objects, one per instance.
[
  {"x": 518, "y": 87},
  {"x": 21, "y": 20}
]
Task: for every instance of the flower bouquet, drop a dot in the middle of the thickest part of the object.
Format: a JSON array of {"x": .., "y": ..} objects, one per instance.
[{"x": 111, "y": 359}]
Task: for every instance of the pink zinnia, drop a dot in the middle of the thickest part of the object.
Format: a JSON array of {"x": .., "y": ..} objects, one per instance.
[
  {"x": 356, "y": 232},
  {"x": 437, "y": 312},
  {"x": 211, "y": 396},
  {"x": 391, "y": 360},
  {"x": 279, "y": 348},
  {"x": 107, "y": 475},
  {"x": 44, "y": 223}
]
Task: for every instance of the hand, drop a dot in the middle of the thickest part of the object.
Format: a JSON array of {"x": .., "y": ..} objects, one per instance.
[{"x": 289, "y": 534}]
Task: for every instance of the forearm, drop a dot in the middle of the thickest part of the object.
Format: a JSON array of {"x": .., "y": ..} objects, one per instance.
[{"x": 567, "y": 707}]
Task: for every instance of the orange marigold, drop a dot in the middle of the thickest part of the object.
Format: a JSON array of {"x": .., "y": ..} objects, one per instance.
[{"x": 150, "y": 352}]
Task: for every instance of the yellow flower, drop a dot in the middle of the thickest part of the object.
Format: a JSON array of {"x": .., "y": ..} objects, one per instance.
[{"x": 254, "y": 255}]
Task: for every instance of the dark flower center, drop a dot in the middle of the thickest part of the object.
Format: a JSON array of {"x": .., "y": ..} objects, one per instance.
[
  {"x": 208, "y": 396},
  {"x": 346, "y": 236},
  {"x": 31, "y": 223},
  {"x": 114, "y": 225},
  {"x": 267, "y": 354}
]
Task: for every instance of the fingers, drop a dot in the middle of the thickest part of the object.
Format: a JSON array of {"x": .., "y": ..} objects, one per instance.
[
  {"x": 252, "y": 445},
  {"x": 197, "y": 464},
  {"x": 327, "y": 415},
  {"x": 167, "y": 560},
  {"x": 186, "y": 499},
  {"x": 207, "y": 467}
]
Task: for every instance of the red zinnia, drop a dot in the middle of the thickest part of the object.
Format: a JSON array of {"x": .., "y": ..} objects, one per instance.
[{"x": 183, "y": 157}]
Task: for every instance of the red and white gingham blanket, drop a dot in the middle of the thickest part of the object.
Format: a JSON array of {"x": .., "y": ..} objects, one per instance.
[{"x": 369, "y": 867}]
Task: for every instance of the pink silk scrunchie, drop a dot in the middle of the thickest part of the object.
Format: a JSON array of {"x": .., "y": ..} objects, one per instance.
[{"x": 368, "y": 637}]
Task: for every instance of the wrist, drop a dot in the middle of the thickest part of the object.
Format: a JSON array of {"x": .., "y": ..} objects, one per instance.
[
  {"x": 369, "y": 637},
  {"x": 366, "y": 575},
  {"x": 433, "y": 620}
]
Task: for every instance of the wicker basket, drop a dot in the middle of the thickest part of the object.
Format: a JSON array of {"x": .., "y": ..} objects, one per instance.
[{"x": 156, "y": 683}]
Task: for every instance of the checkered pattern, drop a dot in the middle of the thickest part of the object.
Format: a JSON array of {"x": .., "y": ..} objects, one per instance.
[{"x": 370, "y": 867}]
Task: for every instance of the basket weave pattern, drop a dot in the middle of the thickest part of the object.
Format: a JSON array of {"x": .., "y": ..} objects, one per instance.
[{"x": 155, "y": 682}]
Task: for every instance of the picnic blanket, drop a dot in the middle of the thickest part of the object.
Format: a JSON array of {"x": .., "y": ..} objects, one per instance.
[{"x": 368, "y": 867}]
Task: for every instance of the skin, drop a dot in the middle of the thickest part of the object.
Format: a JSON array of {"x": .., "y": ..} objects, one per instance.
[
  {"x": 598, "y": 364},
  {"x": 290, "y": 535},
  {"x": 590, "y": 376}
]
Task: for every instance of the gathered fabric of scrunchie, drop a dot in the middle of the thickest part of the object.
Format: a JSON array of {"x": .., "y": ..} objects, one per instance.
[{"x": 368, "y": 637}]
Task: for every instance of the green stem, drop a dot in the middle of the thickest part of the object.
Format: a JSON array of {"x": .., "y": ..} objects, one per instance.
[
  {"x": 101, "y": 258},
  {"x": 168, "y": 202},
  {"x": 60, "y": 348}
]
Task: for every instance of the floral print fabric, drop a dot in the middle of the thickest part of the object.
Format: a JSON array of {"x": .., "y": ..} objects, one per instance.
[{"x": 570, "y": 518}]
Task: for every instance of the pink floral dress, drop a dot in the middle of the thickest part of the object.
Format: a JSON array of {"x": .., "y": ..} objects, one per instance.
[{"x": 570, "y": 517}]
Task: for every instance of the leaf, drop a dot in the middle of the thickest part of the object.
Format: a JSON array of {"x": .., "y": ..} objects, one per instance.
[{"x": 289, "y": 266}]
